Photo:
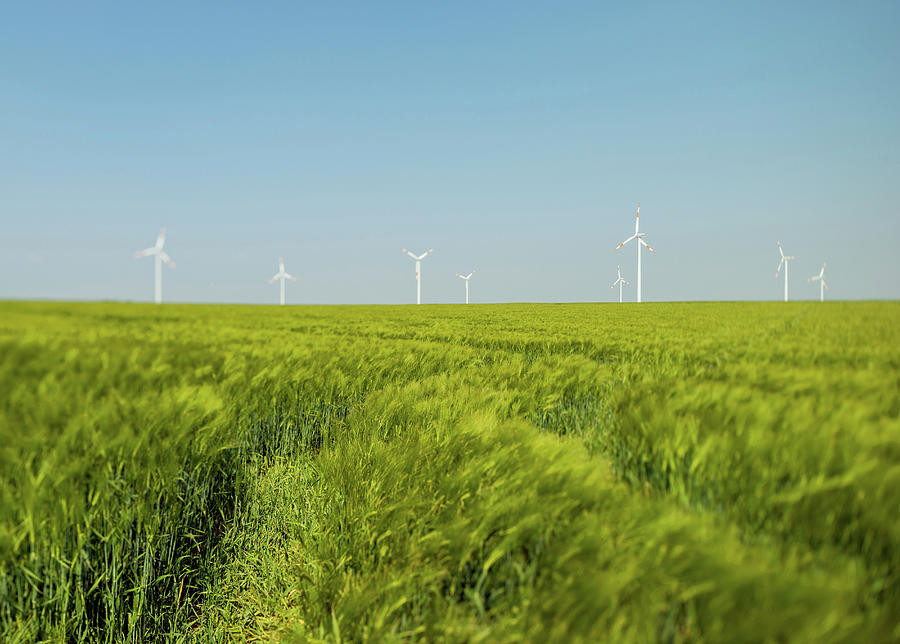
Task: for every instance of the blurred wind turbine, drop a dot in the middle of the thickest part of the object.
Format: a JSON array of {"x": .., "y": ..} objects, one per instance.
[
  {"x": 640, "y": 237},
  {"x": 620, "y": 282},
  {"x": 784, "y": 262},
  {"x": 281, "y": 275},
  {"x": 466, "y": 278},
  {"x": 161, "y": 256},
  {"x": 419, "y": 259},
  {"x": 821, "y": 279}
]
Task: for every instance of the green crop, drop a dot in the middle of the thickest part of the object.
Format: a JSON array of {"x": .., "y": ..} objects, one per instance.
[{"x": 662, "y": 472}]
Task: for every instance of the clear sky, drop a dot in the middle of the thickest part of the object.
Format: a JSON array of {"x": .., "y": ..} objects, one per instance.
[{"x": 515, "y": 138}]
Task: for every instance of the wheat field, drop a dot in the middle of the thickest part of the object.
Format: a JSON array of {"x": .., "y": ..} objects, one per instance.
[{"x": 496, "y": 473}]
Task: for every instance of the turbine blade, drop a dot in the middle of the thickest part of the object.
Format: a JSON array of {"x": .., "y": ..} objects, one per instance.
[
  {"x": 625, "y": 242},
  {"x": 160, "y": 238},
  {"x": 146, "y": 252},
  {"x": 647, "y": 245},
  {"x": 290, "y": 277},
  {"x": 166, "y": 259},
  {"x": 410, "y": 254},
  {"x": 780, "y": 264},
  {"x": 780, "y": 250},
  {"x": 826, "y": 285},
  {"x": 274, "y": 277},
  {"x": 280, "y": 265},
  {"x": 637, "y": 218}
]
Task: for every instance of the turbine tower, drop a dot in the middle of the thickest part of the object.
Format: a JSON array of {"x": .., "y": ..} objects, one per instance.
[
  {"x": 620, "y": 282},
  {"x": 419, "y": 259},
  {"x": 161, "y": 256},
  {"x": 820, "y": 278},
  {"x": 466, "y": 278},
  {"x": 281, "y": 275},
  {"x": 640, "y": 237},
  {"x": 784, "y": 262}
]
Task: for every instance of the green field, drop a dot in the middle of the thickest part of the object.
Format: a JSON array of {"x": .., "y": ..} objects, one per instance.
[{"x": 495, "y": 473}]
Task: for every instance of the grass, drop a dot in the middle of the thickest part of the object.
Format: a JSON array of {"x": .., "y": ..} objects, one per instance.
[{"x": 668, "y": 472}]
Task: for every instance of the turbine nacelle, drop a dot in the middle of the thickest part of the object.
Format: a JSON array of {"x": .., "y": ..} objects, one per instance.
[
  {"x": 784, "y": 258},
  {"x": 418, "y": 258},
  {"x": 637, "y": 234},
  {"x": 157, "y": 249},
  {"x": 820, "y": 277},
  {"x": 620, "y": 280},
  {"x": 281, "y": 274}
]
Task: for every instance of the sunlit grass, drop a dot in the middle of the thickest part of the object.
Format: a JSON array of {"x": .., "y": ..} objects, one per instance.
[{"x": 680, "y": 472}]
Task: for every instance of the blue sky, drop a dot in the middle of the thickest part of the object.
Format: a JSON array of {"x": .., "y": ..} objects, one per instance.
[{"x": 515, "y": 138}]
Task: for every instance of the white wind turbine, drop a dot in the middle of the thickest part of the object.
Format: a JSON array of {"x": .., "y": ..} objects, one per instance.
[
  {"x": 784, "y": 262},
  {"x": 161, "y": 256},
  {"x": 640, "y": 237},
  {"x": 820, "y": 278},
  {"x": 281, "y": 275},
  {"x": 419, "y": 259},
  {"x": 620, "y": 282},
  {"x": 466, "y": 278}
]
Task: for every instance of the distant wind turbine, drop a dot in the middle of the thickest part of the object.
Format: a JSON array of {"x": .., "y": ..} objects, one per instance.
[
  {"x": 784, "y": 262},
  {"x": 466, "y": 278},
  {"x": 620, "y": 282},
  {"x": 161, "y": 256},
  {"x": 820, "y": 278},
  {"x": 281, "y": 275},
  {"x": 640, "y": 237},
  {"x": 419, "y": 259}
]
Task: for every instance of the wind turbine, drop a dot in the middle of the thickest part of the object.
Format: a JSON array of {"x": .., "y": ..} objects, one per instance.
[
  {"x": 281, "y": 275},
  {"x": 821, "y": 279},
  {"x": 620, "y": 281},
  {"x": 640, "y": 237},
  {"x": 419, "y": 259},
  {"x": 784, "y": 262},
  {"x": 467, "y": 278},
  {"x": 161, "y": 256}
]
